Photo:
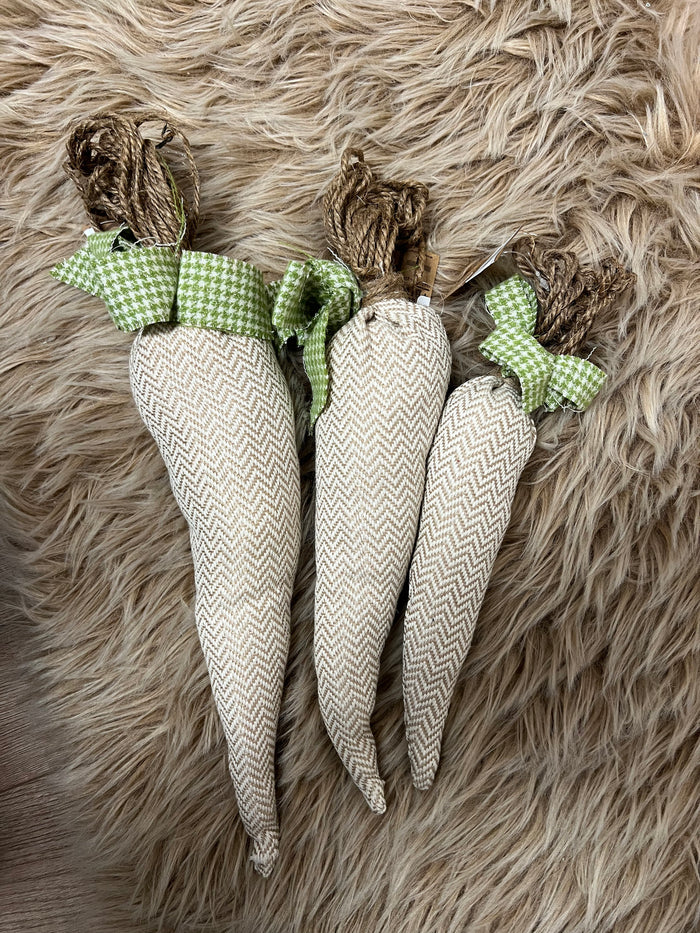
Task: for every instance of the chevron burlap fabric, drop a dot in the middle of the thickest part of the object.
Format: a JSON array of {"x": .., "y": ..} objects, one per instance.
[
  {"x": 481, "y": 446},
  {"x": 389, "y": 369},
  {"x": 219, "y": 410}
]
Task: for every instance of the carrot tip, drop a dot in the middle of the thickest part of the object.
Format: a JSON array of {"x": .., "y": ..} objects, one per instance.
[
  {"x": 265, "y": 851},
  {"x": 373, "y": 791},
  {"x": 423, "y": 775}
]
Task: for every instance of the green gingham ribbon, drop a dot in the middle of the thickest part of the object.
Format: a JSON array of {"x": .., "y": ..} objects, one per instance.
[
  {"x": 150, "y": 284},
  {"x": 312, "y": 300},
  {"x": 548, "y": 379}
]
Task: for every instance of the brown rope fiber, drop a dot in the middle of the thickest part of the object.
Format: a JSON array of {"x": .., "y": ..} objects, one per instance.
[
  {"x": 569, "y": 298},
  {"x": 123, "y": 179},
  {"x": 371, "y": 223}
]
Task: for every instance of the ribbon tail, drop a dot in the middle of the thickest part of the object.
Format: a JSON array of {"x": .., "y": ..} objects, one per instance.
[
  {"x": 289, "y": 300},
  {"x": 573, "y": 382},
  {"x": 316, "y": 366},
  {"x": 79, "y": 271},
  {"x": 313, "y": 300}
]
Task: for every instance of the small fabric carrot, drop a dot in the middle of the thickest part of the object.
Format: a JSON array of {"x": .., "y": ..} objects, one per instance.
[
  {"x": 485, "y": 437},
  {"x": 388, "y": 370},
  {"x": 209, "y": 388}
]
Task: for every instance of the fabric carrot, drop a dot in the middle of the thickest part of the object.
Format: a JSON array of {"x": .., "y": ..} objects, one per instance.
[
  {"x": 388, "y": 370},
  {"x": 208, "y": 386},
  {"x": 485, "y": 437}
]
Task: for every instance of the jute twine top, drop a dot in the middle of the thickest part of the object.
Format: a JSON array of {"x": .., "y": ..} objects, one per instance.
[
  {"x": 569, "y": 298},
  {"x": 123, "y": 179},
  {"x": 370, "y": 223}
]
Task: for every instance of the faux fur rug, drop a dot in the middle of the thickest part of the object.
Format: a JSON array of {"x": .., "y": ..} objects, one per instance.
[{"x": 567, "y": 800}]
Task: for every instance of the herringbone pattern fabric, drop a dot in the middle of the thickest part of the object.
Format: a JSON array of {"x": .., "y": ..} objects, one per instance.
[
  {"x": 219, "y": 409},
  {"x": 482, "y": 444},
  {"x": 389, "y": 369}
]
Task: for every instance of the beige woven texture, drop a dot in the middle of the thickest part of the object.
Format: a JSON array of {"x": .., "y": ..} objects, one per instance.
[
  {"x": 389, "y": 369},
  {"x": 219, "y": 409},
  {"x": 481, "y": 446}
]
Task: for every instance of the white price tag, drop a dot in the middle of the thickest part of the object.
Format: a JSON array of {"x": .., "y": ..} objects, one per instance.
[{"x": 468, "y": 275}]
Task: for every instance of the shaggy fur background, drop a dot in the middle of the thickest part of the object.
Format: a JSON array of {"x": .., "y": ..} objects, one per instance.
[{"x": 567, "y": 800}]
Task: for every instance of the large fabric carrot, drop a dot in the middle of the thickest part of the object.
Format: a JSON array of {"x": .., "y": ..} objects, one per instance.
[
  {"x": 207, "y": 384},
  {"x": 389, "y": 368},
  {"x": 484, "y": 439}
]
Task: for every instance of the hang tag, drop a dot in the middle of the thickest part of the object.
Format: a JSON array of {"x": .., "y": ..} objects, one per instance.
[
  {"x": 421, "y": 289},
  {"x": 468, "y": 274}
]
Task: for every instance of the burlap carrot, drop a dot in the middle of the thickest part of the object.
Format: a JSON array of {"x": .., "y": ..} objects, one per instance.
[
  {"x": 484, "y": 439},
  {"x": 207, "y": 383},
  {"x": 389, "y": 367}
]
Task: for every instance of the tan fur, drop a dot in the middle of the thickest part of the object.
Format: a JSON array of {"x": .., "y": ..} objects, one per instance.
[{"x": 567, "y": 797}]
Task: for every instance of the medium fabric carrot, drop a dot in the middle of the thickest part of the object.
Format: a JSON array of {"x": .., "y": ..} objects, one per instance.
[
  {"x": 388, "y": 368},
  {"x": 484, "y": 439},
  {"x": 209, "y": 388}
]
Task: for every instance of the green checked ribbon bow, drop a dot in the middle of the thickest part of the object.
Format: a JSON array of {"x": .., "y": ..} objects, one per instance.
[
  {"x": 144, "y": 285},
  {"x": 548, "y": 379},
  {"x": 312, "y": 301}
]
